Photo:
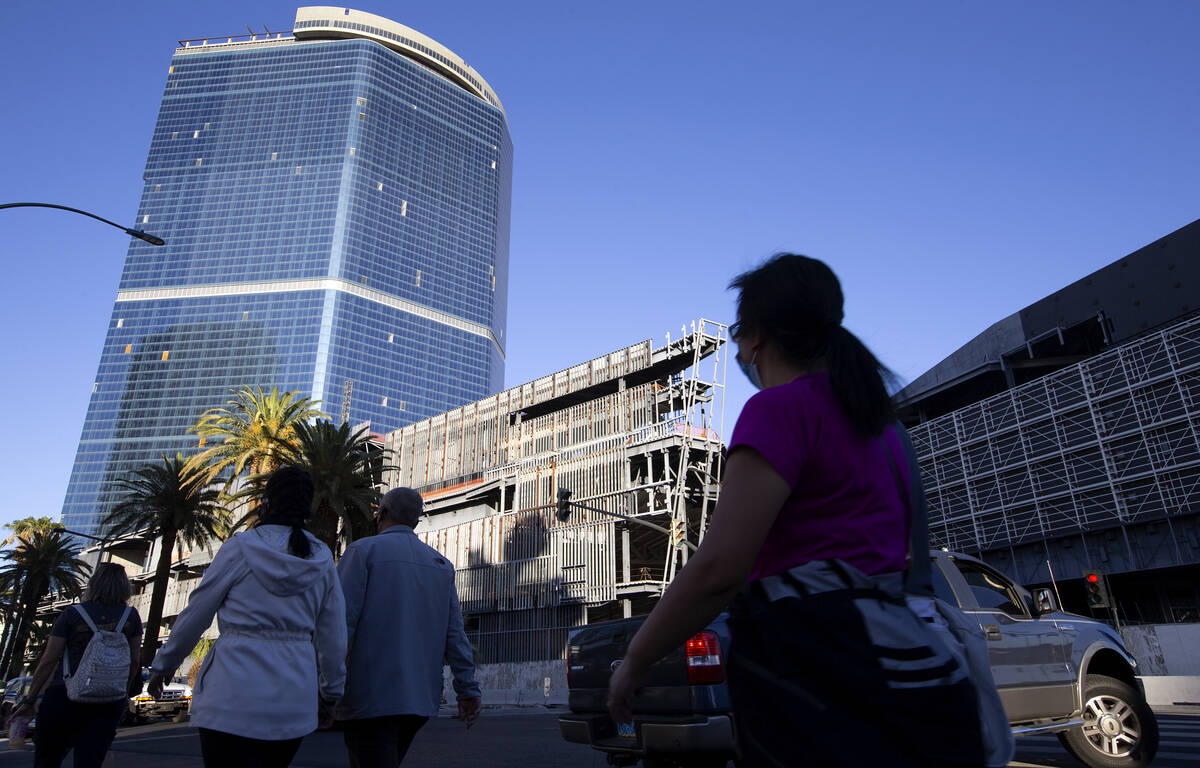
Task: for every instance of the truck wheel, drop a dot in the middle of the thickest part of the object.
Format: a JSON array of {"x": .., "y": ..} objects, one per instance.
[{"x": 1119, "y": 729}]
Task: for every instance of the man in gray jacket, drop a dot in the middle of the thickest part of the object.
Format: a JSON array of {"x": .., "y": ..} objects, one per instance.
[{"x": 403, "y": 623}]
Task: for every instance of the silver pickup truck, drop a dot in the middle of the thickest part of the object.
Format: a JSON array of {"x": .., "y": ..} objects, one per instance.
[{"x": 1056, "y": 673}]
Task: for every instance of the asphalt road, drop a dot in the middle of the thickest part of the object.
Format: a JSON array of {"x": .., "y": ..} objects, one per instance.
[{"x": 528, "y": 739}]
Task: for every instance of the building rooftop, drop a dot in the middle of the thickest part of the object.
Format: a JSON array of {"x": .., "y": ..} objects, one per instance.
[
  {"x": 1153, "y": 286},
  {"x": 322, "y": 22}
]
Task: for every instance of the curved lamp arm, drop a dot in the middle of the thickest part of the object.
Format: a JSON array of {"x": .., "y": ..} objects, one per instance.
[{"x": 139, "y": 234}]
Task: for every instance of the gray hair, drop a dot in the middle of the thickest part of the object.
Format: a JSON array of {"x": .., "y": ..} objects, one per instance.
[
  {"x": 108, "y": 586},
  {"x": 402, "y": 505}
]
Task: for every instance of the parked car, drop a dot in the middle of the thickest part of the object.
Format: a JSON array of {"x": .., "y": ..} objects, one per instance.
[
  {"x": 176, "y": 700},
  {"x": 1056, "y": 673}
]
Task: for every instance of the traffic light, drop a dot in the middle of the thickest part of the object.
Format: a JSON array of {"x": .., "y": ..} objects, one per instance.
[
  {"x": 678, "y": 533},
  {"x": 1097, "y": 589},
  {"x": 563, "y": 508}
]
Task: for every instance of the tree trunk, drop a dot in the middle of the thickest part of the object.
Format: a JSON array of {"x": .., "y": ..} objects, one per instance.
[
  {"x": 32, "y": 594},
  {"x": 158, "y": 596},
  {"x": 323, "y": 525},
  {"x": 10, "y": 622}
]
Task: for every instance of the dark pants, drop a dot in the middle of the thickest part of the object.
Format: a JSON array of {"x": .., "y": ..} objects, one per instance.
[
  {"x": 64, "y": 725},
  {"x": 225, "y": 750},
  {"x": 381, "y": 742}
]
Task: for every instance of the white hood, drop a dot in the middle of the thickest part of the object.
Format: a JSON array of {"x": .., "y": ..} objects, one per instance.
[{"x": 278, "y": 570}]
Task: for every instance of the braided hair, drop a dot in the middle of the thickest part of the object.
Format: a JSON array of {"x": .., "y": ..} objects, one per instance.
[
  {"x": 796, "y": 301},
  {"x": 288, "y": 496}
]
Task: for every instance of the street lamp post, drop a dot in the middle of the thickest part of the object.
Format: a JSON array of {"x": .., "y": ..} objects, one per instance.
[
  {"x": 139, "y": 234},
  {"x": 102, "y": 539}
]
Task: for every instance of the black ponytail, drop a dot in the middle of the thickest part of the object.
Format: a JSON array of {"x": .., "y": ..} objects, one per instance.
[
  {"x": 796, "y": 301},
  {"x": 289, "y": 495},
  {"x": 858, "y": 382}
]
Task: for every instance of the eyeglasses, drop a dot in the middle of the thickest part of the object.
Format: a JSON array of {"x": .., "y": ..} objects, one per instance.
[{"x": 735, "y": 330}]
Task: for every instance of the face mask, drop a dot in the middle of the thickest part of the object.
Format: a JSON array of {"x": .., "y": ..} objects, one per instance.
[{"x": 751, "y": 370}]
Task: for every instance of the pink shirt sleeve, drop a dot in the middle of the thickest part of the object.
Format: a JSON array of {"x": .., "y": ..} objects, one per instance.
[{"x": 773, "y": 425}]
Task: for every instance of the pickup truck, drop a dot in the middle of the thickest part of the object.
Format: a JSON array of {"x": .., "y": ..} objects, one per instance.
[
  {"x": 175, "y": 702},
  {"x": 1056, "y": 673}
]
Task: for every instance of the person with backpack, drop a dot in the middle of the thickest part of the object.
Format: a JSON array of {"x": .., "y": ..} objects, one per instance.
[
  {"x": 279, "y": 664},
  {"x": 91, "y": 665}
]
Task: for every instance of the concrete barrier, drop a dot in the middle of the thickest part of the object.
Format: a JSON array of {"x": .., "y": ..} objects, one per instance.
[
  {"x": 1165, "y": 649},
  {"x": 1168, "y": 690},
  {"x": 517, "y": 684},
  {"x": 1168, "y": 657}
]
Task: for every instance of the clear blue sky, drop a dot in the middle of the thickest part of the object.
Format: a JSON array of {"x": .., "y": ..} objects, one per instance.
[{"x": 953, "y": 161}]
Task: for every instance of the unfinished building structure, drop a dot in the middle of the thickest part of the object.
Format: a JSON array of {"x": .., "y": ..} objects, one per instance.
[
  {"x": 635, "y": 432},
  {"x": 1066, "y": 437}
]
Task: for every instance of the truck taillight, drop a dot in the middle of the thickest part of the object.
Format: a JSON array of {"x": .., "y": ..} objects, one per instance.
[
  {"x": 704, "y": 659},
  {"x": 572, "y": 662}
]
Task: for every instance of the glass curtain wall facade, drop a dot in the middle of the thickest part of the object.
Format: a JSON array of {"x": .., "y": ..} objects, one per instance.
[{"x": 336, "y": 218}]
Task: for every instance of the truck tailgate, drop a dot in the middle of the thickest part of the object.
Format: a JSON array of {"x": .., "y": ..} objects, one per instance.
[{"x": 593, "y": 653}]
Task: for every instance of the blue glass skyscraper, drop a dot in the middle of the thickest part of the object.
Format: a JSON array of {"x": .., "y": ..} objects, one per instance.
[{"x": 336, "y": 207}]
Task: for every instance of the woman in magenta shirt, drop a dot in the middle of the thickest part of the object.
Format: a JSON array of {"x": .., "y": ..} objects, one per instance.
[{"x": 806, "y": 479}]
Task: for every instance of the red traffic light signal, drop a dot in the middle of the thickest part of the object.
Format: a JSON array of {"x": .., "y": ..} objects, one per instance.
[{"x": 1097, "y": 590}]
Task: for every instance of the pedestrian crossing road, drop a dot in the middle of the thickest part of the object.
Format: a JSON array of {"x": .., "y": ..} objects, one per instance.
[{"x": 1178, "y": 746}]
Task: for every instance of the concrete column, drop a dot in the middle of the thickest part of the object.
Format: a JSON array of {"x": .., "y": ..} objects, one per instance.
[{"x": 626, "y": 604}]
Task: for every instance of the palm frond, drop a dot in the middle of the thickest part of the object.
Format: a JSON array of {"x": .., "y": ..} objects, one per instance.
[
  {"x": 255, "y": 431},
  {"x": 346, "y": 470},
  {"x": 22, "y": 529}
]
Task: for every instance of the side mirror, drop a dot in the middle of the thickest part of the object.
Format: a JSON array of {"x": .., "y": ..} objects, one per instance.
[{"x": 1043, "y": 601}]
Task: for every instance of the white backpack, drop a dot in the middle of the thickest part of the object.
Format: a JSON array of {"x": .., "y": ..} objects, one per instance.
[{"x": 103, "y": 672}]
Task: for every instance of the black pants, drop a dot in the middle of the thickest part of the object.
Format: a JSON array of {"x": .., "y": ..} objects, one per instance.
[
  {"x": 381, "y": 742},
  {"x": 64, "y": 725},
  {"x": 225, "y": 750}
]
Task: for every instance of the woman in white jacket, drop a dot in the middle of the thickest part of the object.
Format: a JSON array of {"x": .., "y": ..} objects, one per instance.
[{"x": 282, "y": 643}]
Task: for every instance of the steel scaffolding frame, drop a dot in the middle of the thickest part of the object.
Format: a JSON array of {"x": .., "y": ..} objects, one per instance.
[
  {"x": 1108, "y": 441},
  {"x": 636, "y": 432}
]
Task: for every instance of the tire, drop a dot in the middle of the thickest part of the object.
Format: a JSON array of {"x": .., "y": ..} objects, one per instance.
[{"x": 1119, "y": 729}]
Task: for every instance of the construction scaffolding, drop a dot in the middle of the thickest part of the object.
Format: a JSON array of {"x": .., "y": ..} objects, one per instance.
[
  {"x": 1100, "y": 444},
  {"x": 635, "y": 432}
]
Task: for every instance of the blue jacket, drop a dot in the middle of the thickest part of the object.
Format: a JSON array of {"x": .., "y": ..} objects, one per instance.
[{"x": 403, "y": 623}]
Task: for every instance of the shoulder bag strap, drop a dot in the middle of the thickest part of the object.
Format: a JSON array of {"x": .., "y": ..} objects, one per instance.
[
  {"x": 86, "y": 619},
  {"x": 124, "y": 616},
  {"x": 918, "y": 577},
  {"x": 66, "y": 652}
]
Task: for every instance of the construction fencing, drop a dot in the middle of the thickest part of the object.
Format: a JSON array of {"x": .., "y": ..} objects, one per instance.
[{"x": 1104, "y": 442}]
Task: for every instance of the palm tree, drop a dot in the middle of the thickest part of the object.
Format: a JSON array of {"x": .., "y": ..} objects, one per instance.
[
  {"x": 48, "y": 561},
  {"x": 169, "y": 500},
  {"x": 199, "y": 654},
  {"x": 22, "y": 529},
  {"x": 10, "y": 592},
  {"x": 346, "y": 470},
  {"x": 251, "y": 432}
]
